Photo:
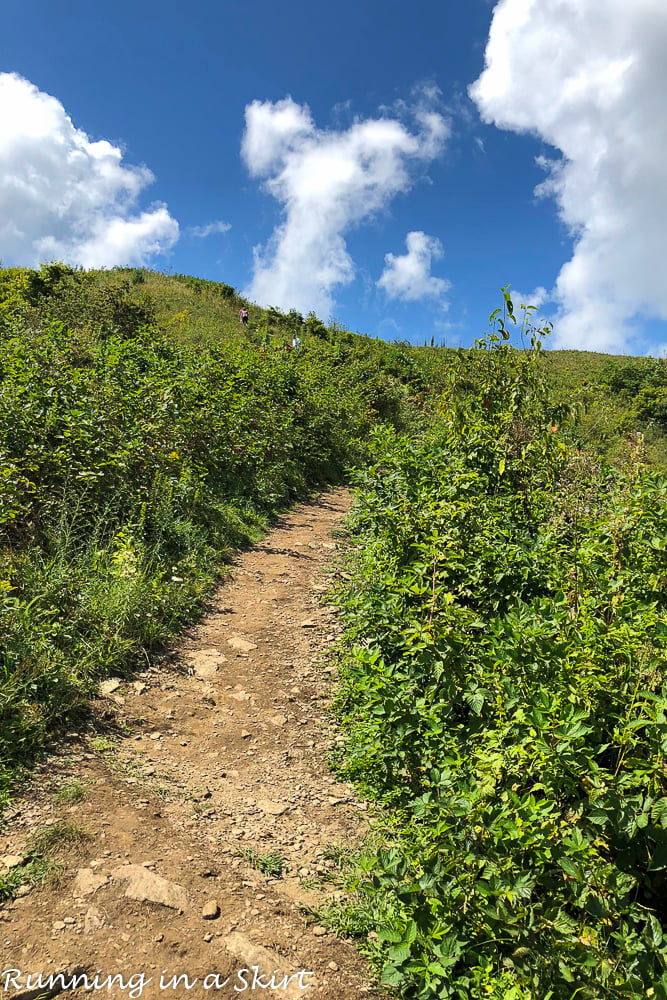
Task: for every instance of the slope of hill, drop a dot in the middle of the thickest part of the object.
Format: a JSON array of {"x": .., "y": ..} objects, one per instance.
[
  {"x": 144, "y": 431},
  {"x": 132, "y": 462},
  {"x": 506, "y": 612}
]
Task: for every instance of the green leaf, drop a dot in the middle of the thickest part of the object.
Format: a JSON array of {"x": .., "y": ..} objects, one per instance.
[
  {"x": 659, "y": 812},
  {"x": 476, "y": 700},
  {"x": 391, "y": 976},
  {"x": 399, "y": 952},
  {"x": 568, "y": 867},
  {"x": 656, "y": 930},
  {"x": 598, "y": 816},
  {"x": 390, "y": 934},
  {"x": 565, "y": 971}
]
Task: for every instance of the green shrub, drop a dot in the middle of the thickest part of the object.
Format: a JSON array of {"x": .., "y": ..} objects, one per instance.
[{"x": 505, "y": 698}]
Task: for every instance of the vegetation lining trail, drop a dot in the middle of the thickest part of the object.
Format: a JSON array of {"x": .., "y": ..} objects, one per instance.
[
  {"x": 144, "y": 435},
  {"x": 505, "y": 699},
  {"x": 130, "y": 466}
]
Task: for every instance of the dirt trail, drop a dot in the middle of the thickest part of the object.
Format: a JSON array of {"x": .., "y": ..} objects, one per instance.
[{"x": 218, "y": 749}]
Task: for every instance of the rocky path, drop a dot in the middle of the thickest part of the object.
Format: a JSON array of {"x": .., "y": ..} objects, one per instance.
[{"x": 200, "y": 769}]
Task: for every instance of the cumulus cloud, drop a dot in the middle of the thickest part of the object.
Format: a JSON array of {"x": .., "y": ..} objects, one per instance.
[
  {"x": 327, "y": 182},
  {"x": 535, "y": 298},
  {"x": 210, "y": 229},
  {"x": 65, "y": 196},
  {"x": 408, "y": 277},
  {"x": 590, "y": 79}
]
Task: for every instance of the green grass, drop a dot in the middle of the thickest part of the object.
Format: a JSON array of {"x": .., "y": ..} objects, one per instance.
[
  {"x": 271, "y": 864},
  {"x": 56, "y": 837},
  {"x": 198, "y": 319},
  {"x": 40, "y": 866},
  {"x": 71, "y": 793},
  {"x": 104, "y": 744},
  {"x": 144, "y": 436},
  {"x": 36, "y": 871},
  {"x": 133, "y": 465},
  {"x": 570, "y": 369}
]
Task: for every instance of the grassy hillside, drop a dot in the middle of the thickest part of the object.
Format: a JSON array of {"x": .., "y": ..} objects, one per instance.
[
  {"x": 503, "y": 685},
  {"x": 144, "y": 432},
  {"x": 132, "y": 462},
  {"x": 196, "y": 313}
]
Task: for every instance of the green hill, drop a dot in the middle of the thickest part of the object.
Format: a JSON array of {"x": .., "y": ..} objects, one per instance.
[
  {"x": 503, "y": 677},
  {"x": 144, "y": 434}
]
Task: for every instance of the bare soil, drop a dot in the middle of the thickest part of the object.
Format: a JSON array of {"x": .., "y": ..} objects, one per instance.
[{"x": 221, "y": 747}]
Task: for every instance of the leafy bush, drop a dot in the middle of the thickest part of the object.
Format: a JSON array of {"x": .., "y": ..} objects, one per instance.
[
  {"x": 504, "y": 697},
  {"x": 100, "y": 302},
  {"x": 202, "y": 286},
  {"x": 632, "y": 376}
]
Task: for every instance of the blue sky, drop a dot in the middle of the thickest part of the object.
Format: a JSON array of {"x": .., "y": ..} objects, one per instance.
[{"x": 334, "y": 157}]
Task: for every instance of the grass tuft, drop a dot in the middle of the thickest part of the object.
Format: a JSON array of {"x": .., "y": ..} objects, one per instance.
[
  {"x": 271, "y": 864},
  {"x": 56, "y": 837},
  {"x": 71, "y": 793}
]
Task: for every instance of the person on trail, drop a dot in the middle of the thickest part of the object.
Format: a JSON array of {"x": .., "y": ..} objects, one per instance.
[
  {"x": 243, "y": 315},
  {"x": 296, "y": 342}
]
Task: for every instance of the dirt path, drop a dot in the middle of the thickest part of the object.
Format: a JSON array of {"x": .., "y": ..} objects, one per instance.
[{"x": 218, "y": 750}]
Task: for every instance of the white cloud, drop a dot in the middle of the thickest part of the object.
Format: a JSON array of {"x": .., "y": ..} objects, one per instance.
[
  {"x": 535, "y": 298},
  {"x": 210, "y": 229},
  {"x": 326, "y": 182},
  {"x": 273, "y": 131},
  {"x": 65, "y": 196},
  {"x": 409, "y": 277},
  {"x": 589, "y": 78}
]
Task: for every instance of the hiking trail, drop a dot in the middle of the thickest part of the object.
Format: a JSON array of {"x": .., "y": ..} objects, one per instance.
[{"x": 218, "y": 748}]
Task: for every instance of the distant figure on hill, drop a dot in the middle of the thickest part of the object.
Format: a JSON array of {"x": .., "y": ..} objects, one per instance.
[
  {"x": 243, "y": 315},
  {"x": 296, "y": 342}
]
